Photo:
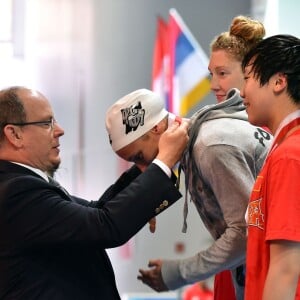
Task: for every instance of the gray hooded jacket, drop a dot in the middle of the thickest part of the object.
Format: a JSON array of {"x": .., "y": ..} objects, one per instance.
[{"x": 223, "y": 157}]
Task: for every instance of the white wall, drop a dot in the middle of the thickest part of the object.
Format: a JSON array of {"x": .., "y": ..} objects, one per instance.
[
  {"x": 288, "y": 14},
  {"x": 278, "y": 16}
]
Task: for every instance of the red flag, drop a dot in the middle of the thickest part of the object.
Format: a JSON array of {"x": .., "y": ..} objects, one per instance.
[
  {"x": 160, "y": 69},
  {"x": 179, "y": 74}
]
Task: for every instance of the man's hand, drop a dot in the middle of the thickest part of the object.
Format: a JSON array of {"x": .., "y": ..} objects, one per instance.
[
  {"x": 172, "y": 143},
  {"x": 153, "y": 277}
]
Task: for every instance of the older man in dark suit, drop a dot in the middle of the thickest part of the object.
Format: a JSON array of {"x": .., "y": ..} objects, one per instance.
[{"x": 52, "y": 244}]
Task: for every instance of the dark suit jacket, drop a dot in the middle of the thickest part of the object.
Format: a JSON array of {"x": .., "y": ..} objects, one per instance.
[{"x": 52, "y": 244}]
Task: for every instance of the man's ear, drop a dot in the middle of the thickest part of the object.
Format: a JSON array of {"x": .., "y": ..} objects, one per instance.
[
  {"x": 13, "y": 134},
  {"x": 155, "y": 129},
  {"x": 160, "y": 127},
  {"x": 280, "y": 82}
]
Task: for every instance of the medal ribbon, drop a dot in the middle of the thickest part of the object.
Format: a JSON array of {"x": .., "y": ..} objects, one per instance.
[{"x": 283, "y": 133}]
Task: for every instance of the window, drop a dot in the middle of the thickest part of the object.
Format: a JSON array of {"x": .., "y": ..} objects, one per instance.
[{"x": 6, "y": 28}]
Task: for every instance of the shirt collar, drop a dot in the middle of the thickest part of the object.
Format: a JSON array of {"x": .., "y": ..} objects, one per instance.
[
  {"x": 286, "y": 120},
  {"x": 35, "y": 170}
]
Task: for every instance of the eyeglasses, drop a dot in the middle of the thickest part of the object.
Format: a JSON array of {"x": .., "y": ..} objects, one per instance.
[{"x": 49, "y": 123}]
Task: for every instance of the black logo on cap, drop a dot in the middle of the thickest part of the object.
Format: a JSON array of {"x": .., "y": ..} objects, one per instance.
[{"x": 133, "y": 117}]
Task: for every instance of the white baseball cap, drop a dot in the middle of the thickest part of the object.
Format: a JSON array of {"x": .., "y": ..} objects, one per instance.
[{"x": 132, "y": 116}]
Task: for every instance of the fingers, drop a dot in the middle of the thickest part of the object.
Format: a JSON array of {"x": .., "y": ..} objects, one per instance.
[
  {"x": 146, "y": 276},
  {"x": 172, "y": 143},
  {"x": 185, "y": 123},
  {"x": 143, "y": 273},
  {"x": 153, "y": 277},
  {"x": 152, "y": 225},
  {"x": 178, "y": 120},
  {"x": 154, "y": 263},
  {"x": 179, "y": 129},
  {"x": 154, "y": 266},
  {"x": 182, "y": 123}
]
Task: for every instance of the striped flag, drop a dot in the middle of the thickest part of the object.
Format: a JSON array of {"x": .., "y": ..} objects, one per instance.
[
  {"x": 181, "y": 75},
  {"x": 161, "y": 61},
  {"x": 189, "y": 82}
]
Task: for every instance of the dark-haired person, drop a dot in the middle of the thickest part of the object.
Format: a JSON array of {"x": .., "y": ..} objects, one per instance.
[{"x": 272, "y": 98}]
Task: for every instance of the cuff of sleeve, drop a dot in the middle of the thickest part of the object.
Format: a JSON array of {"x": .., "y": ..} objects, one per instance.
[
  {"x": 171, "y": 274},
  {"x": 163, "y": 166}
]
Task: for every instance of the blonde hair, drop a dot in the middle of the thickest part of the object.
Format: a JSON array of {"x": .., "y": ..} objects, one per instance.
[{"x": 244, "y": 33}]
